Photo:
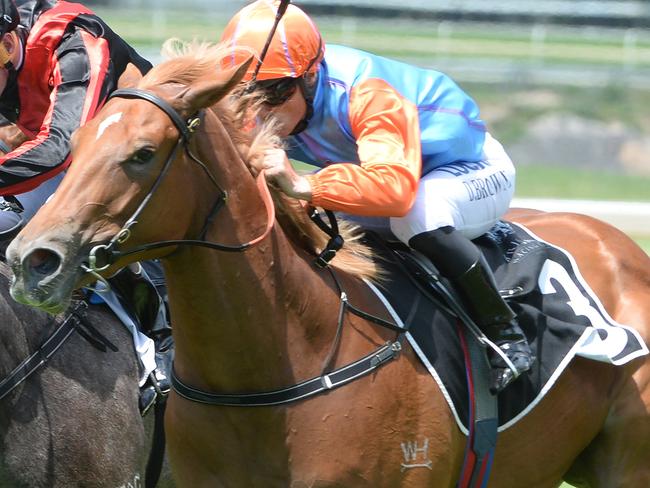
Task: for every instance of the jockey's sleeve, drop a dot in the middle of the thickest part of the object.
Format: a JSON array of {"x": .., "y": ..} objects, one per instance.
[
  {"x": 77, "y": 73},
  {"x": 387, "y": 131}
]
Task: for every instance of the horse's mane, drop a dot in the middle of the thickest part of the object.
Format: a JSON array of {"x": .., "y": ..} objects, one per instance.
[{"x": 188, "y": 62}]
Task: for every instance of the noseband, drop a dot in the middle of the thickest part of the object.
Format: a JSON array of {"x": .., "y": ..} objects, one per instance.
[{"x": 104, "y": 255}]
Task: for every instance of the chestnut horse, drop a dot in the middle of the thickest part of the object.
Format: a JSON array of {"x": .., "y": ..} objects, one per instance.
[{"x": 266, "y": 318}]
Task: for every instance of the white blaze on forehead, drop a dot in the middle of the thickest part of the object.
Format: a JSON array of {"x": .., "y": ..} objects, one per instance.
[{"x": 110, "y": 120}]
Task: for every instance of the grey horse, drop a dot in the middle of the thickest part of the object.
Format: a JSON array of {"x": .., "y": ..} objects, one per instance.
[{"x": 74, "y": 422}]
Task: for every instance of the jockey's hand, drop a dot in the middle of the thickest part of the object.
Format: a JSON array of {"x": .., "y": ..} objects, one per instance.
[{"x": 278, "y": 171}]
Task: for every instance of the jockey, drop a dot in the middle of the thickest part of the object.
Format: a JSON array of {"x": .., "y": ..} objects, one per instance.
[
  {"x": 392, "y": 141},
  {"x": 58, "y": 64}
]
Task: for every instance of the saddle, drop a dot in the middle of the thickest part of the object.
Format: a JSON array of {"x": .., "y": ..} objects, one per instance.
[{"x": 555, "y": 307}]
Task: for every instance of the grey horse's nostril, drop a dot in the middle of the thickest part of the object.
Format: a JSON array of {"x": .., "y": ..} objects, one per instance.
[{"x": 43, "y": 261}]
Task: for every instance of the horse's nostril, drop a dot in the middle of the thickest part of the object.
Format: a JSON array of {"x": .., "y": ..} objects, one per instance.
[{"x": 43, "y": 262}]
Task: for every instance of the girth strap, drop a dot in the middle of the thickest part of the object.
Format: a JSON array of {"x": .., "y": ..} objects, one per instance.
[{"x": 311, "y": 387}]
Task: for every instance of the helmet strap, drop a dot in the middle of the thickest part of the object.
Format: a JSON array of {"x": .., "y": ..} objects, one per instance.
[
  {"x": 284, "y": 4},
  {"x": 308, "y": 95}
]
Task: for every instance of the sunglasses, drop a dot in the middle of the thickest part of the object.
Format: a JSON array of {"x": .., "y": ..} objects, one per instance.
[{"x": 276, "y": 92}]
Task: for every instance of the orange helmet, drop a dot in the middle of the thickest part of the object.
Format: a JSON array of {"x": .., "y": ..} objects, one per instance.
[{"x": 296, "y": 48}]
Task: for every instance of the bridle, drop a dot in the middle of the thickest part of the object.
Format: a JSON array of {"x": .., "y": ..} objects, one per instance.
[
  {"x": 109, "y": 254},
  {"x": 104, "y": 255}
]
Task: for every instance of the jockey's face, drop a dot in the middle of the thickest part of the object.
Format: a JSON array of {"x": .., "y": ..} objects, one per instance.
[
  {"x": 288, "y": 113},
  {"x": 9, "y": 51}
]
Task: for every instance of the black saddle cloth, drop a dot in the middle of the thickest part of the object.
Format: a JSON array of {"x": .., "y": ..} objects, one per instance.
[{"x": 555, "y": 308}]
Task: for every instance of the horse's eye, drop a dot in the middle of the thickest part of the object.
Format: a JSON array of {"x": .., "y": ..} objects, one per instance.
[{"x": 141, "y": 156}]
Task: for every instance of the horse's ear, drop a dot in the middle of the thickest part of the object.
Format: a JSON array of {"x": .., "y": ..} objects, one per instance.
[
  {"x": 130, "y": 77},
  {"x": 208, "y": 91}
]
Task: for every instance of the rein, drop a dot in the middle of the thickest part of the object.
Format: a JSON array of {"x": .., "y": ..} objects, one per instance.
[{"x": 73, "y": 322}]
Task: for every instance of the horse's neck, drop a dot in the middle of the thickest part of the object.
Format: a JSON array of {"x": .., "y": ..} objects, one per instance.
[
  {"x": 245, "y": 320},
  {"x": 15, "y": 337}
]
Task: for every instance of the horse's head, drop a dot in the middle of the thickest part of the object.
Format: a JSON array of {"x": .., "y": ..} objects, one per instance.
[{"x": 115, "y": 182}]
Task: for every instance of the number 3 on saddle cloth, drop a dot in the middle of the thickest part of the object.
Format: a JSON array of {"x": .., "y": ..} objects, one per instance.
[{"x": 558, "y": 312}]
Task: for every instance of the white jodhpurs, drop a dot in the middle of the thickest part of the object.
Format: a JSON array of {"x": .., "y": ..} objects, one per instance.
[{"x": 470, "y": 197}]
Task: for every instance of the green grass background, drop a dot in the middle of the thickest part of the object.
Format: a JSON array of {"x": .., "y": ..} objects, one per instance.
[{"x": 562, "y": 182}]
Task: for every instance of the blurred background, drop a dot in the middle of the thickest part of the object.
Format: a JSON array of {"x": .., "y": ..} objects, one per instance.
[{"x": 563, "y": 84}]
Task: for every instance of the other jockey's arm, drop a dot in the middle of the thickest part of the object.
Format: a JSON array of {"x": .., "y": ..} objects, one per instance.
[{"x": 78, "y": 72}]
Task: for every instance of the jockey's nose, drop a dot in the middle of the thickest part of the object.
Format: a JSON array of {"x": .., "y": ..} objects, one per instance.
[{"x": 41, "y": 262}]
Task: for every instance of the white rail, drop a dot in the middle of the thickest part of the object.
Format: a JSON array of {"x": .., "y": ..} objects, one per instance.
[{"x": 630, "y": 217}]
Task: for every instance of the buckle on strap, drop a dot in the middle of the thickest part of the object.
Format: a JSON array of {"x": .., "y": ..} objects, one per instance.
[
  {"x": 387, "y": 354},
  {"x": 327, "y": 254},
  {"x": 335, "y": 242},
  {"x": 10, "y": 203}
]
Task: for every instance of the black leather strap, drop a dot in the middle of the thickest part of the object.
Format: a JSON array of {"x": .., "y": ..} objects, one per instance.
[
  {"x": 180, "y": 124},
  {"x": 314, "y": 386},
  {"x": 40, "y": 357}
]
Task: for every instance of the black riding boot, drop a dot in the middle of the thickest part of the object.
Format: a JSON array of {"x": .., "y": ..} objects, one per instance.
[
  {"x": 143, "y": 299},
  {"x": 493, "y": 315},
  {"x": 460, "y": 261}
]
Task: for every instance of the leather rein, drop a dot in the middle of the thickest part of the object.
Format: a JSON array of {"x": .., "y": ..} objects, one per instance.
[{"x": 109, "y": 253}]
